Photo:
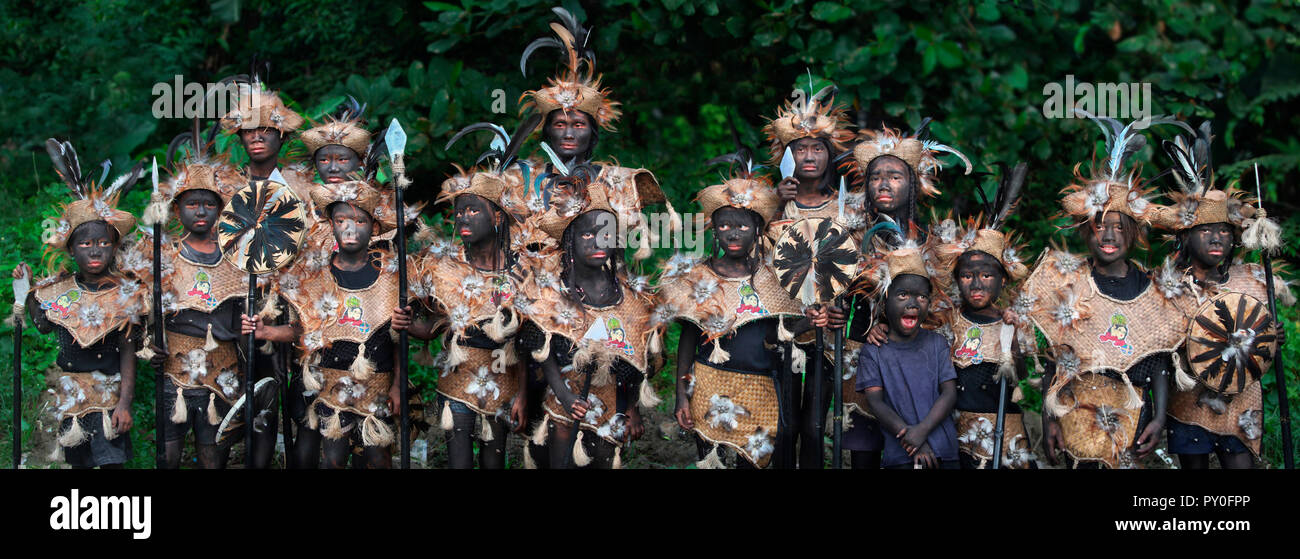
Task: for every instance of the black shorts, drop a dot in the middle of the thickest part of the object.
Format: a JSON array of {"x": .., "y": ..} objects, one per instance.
[
  {"x": 97, "y": 450},
  {"x": 196, "y": 411}
]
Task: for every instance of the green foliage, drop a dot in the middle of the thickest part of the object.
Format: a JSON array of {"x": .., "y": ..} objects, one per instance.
[{"x": 687, "y": 72}]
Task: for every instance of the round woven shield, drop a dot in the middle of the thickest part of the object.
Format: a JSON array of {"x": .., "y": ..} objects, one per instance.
[
  {"x": 262, "y": 227},
  {"x": 1231, "y": 342},
  {"x": 815, "y": 259}
]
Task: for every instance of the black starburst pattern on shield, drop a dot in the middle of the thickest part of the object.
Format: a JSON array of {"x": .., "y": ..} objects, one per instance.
[
  {"x": 273, "y": 215},
  {"x": 1237, "y": 341},
  {"x": 823, "y": 248}
]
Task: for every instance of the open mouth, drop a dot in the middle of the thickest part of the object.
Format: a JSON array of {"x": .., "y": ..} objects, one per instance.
[{"x": 909, "y": 320}]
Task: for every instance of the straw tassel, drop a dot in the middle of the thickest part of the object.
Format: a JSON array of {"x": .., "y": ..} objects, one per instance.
[
  {"x": 455, "y": 354},
  {"x": 675, "y": 219},
  {"x": 648, "y": 398},
  {"x": 362, "y": 367},
  {"x": 783, "y": 334},
  {"x": 75, "y": 435},
  {"x": 798, "y": 359},
  {"x": 1282, "y": 292},
  {"x": 156, "y": 211},
  {"x": 643, "y": 236},
  {"x": 539, "y": 434},
  {"x": 267, "y": 347},
  {"x": 374, "y": 432},
  {"x": 1052, "y": 402},
  {"x": 270, "y": 310},
  {"x": 106, "y": 419},
  {"x": 333, "y": 427},
  {"x": 424, "y": 357},
  {"x": 1134, "y": 399},
  {"x": 485, "y": 430},
  {"x": 618, "y": 457},
  {"x": 179, "y": 413},
  {"x": 1007, "y": 368},
  {"x": 56, "y": 455},
  {"x": 711, "y": 461},
  {"x": 580, "y": 457},
  {"x": 313, "y": 420},
  {"x": 543, "y": 352},
  {"x": 447, "y": 423},
  {"x": 848, "y": 418},
  {"x": 1182, "y": 380},
  {"x": 210, "y": 344},
  {"x": 1262, "y": 234},
  {"x": 529, "y": 464},
  {"x": 213, "y": 418},
  {"x": 656, "y": 343},
  {"x": 308, "y": 378},
  {"x": 719, "y": 355},
  {"x": 146, "y": 353},
  {"x": 500, "y": 327}
]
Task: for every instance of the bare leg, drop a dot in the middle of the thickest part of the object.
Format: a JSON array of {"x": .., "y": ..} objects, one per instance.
[
  {"x": 213, "y": 457},
  {"x": 306, "y": 448},
  {"x": 1236, "y": 460},
  {"x": 1194, "y": 461},
  {"x": 559, "y": 443},
  {"x": 378, "y": 458},
  {"x": 172, "y": 454},
  {"x": 335, "y": 452},
  {"x": 263, "y": 448}
]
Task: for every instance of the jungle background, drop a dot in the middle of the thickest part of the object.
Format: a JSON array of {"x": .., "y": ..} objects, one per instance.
[{"x": 686, "y": 71}]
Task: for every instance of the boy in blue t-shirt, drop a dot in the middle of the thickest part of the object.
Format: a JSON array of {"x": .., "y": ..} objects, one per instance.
[{"x": 910, "y": 383}]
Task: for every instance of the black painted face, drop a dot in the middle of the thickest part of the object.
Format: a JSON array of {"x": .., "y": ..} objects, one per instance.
[
  {"x": 334, "y": 163},
  {"x": 1209, "y": 243},
  {"x": 810, "y": 158},
  {"x": 593, "y": 237},
  {"x": 569, "y": 133},
  {"x": 1110, "y": 238},
  {"x": 887, "y": 184},
  {"x": 262, "y": 144},
  {"x": 352, "y": 227},
  {"x": 198, "y": 211},
  {"x": 907, "y": 304},
  {"x": 735, "y": 231},
  {"x": 979, "y": 278},
  {"x": 92, "y": 247},
  {"x": 476, "y": 219}
]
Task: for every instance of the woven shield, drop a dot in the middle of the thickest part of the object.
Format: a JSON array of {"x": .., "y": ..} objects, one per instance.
[
  {"x": 262, "y": 227},
  {"x": 815, "y": 260},
  {"x": 1231, "y": 342}
]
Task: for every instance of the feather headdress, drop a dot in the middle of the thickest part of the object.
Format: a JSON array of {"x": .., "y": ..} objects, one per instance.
[
  {"x": 1197, "y": 201},
  {"x": 201, "y": 169},
  {"x": 345, "y": 128},
  {"x": 919, "y": 153},
  {"x": 817, "y": 117},
  {"x": 500, "y": 181},
  {"x": 742, "y": 190},
  {"x": 259, "y": 107},
  {"x": 578, "y": 87},
  {"x": 985, "y": 233},
  {"x": 93, "y": 202},
  {"x": 1111, "y": 188}
]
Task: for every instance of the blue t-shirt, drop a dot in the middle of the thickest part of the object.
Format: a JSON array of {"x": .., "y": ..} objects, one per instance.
[{"x": 911, "y": 372}]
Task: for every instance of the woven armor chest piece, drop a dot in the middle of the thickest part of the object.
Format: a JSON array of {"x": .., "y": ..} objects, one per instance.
[
  {"x": 87, "y": 315},
  {"x": 203, "y": 288}
]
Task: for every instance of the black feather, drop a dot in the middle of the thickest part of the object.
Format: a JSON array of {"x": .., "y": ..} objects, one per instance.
[
  {"x": 923, "y": 128},
  {"x": 175, "y": 145},
  {"x": 66, "y": 165},
  {"x": 533, "y": 46},
  {"x": 515, "y": 142},
  {"x": 1009, "y": 187},
  {"x": 377, "y": 149},
  {"x": 475, "y": 127}
]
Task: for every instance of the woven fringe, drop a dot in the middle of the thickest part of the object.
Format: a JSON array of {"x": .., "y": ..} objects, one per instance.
[
  {"x": 333, "y": 427},
  {"x": 580, "y": 458},
  {"x": 499, "y": 361},
  {"x": 718, "y": 355},
  {"x": 1182, "y": 380},
  {"x": 106, "y": 419},
  {"x": 309, "y": 380},
  {"x": 362, "y": 367},
  {"x": 179, "y": 413},
  {"x": 485, "y": 430},
  {"x": 213, "y": 418},
  {"x": 798, "y": 359},
  {"x": 542, "y": 353},
  {"x": 618, "y": 457},
  {"x": 210, "y": 344},
  {"x": 656, "y": 343},
  {"x": 446, "y": 421},
  {"x": 424, "y": 357},
  {"x": 1263, "y": 234},
  {"x": 146, "y": 353},
  {"x": 539, "y": 434},
  {"x": 647, "y": 397},
  {"x": 375, "y": 432},
  {"x": 75, "y": 434},
  {"x": 711, "y": 461}
]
